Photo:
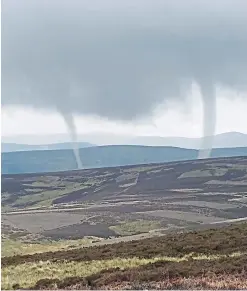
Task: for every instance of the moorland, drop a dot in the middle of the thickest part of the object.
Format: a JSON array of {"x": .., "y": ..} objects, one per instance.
[{"x": 150, "y": 226}]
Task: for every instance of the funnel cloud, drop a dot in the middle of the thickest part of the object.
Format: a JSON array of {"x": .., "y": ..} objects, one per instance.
[
  {"x": 120, "y": 59},
  {"x": 209, "y": 119},
  {"x": 69, "y": 120}
]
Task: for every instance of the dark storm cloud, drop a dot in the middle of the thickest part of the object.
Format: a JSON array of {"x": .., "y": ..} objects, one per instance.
[{"x": 119, "y": 59}]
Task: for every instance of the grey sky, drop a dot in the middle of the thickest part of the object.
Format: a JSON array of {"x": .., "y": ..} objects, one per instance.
[{"x": 118, "y": 59}]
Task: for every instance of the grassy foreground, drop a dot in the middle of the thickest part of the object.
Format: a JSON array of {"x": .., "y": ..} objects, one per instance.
[
  {"x": 11, "y": 247},
  {"x": 209, "y": 259}
]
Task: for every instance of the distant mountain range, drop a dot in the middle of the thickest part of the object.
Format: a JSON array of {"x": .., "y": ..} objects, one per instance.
[
  {"x": 14, "y": 147},
  {"x": 102, "y": 156},
  {"x": 225, "y": 140}
]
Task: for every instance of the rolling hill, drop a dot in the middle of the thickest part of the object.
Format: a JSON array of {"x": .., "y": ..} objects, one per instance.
[
  {"x": 103, "y": 156},
  {"x": 128, "y": 183}
]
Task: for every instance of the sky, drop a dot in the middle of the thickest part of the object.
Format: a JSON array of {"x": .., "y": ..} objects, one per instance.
[
  {"x": 144, "y": 67},
  {"x": 175, "y": 122}
]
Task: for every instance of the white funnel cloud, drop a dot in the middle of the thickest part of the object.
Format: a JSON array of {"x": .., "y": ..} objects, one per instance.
[
  {"x": 209, "y": 120},
  {"x": 69, "y": 120}
]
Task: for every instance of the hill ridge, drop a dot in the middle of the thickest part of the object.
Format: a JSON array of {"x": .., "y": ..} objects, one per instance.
[{"x": 102, "y": 156}]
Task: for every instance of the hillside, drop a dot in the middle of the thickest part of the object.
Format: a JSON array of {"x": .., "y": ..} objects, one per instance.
[
  {"x": 209, "y": 259},
  {"x": 103, "y": 156},
  {"x": 152, "y": 226},
  {"x": 215, "y": 188}
]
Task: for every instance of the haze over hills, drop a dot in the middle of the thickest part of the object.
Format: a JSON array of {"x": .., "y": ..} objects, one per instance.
[
  {"x": 15, "y": 147},
  {"x": 62, "y": 141},
  {"x": 224, "y": 140}
]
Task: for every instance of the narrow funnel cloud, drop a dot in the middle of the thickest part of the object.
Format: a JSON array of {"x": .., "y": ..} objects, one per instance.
[
  {"x": 209, "y": 120},
  {"x": 69, "y": 120}
]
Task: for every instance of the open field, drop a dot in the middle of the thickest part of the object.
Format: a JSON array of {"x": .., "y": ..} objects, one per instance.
[{"x": 209, "y": 259}]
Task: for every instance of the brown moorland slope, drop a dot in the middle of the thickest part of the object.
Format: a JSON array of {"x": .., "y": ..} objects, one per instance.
[{"x": 206, "y": 259}]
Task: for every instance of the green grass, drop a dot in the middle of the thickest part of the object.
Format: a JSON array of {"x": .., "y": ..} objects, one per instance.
[
  {"x": 141, "y": 169},
  {"x": 135, "y": 227},
  {"x": 45, "y": 198},
  {"x": 6, "y": 208},
  {"x": 12, "y": 247},
  {"x": 33, "y": 190},
  {"x": 214, "y": 172},
  {"x": 28, "y": 274}
]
